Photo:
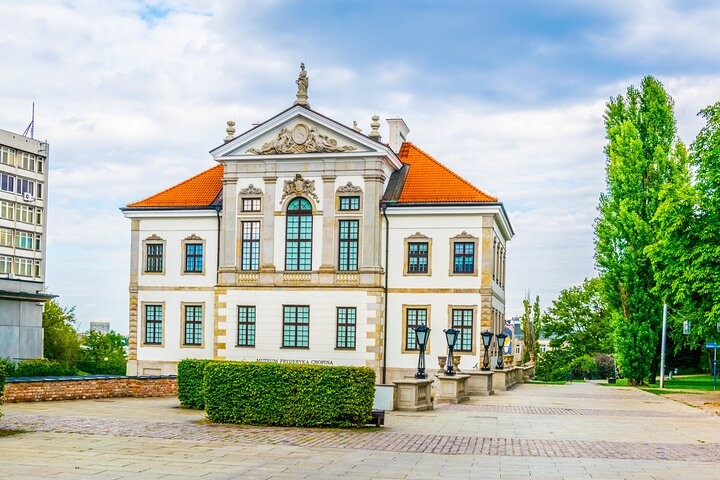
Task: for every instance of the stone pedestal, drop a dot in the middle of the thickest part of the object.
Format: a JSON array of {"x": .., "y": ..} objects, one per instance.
[
  {"x": 504, "y": 379},
  {"x": 452, "y": 389},
  {"x": 480, "y": 382},
  {"x": 413, "y": 395}
]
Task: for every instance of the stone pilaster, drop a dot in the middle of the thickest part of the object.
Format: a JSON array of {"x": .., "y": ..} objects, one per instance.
[
  {"x": 133, "y": 290},
  {"x": 228, "y": 233},
  {"x": 267, "y": 248},
  {"x": 371, "y": 258}
]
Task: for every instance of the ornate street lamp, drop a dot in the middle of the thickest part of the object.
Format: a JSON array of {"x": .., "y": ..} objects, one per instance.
[
  {"x": 486, "y": 339},
  {"x": 501, "y": 347},
  {"x": 451, "y": 336},
  {"x": 422, "y": 333}
]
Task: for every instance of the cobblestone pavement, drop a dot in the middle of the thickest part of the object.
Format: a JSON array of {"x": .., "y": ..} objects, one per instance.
[{"x": 534, "y": 431}]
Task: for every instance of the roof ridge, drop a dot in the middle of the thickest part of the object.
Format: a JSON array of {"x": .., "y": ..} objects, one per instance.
[
  {"x": 441, "y": 165},
  {"x": 176, "y": 185}
]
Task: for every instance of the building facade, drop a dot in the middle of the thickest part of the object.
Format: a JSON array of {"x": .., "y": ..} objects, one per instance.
[
  {"x": 311, "y": 242},
  {"x": 23, "y": 219}
]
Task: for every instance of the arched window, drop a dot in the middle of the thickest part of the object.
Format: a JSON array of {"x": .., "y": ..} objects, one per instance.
[{"x": 298, "y": 235}]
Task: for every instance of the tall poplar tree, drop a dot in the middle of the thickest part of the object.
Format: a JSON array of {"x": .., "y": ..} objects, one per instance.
[{"x": 641, "y": 134}]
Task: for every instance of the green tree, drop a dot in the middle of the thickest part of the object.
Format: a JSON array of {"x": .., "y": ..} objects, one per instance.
[
  {"x": 60, "y": 340},
  {"x": 530, "y": 319},
  {"x": 642, "y": 159},
  {"x": 103, "y": 353},
  {"x": 578, "y": 321}
]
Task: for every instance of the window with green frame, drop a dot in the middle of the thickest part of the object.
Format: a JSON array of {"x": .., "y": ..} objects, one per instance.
[
  {"x": 346, "y": 317},
  {"x": 246, "y": 326},
  {"x": 348, "y": 245},
  {"x": 462, "y": 320},
  {"x": 298, "y": 235},
  {"x": 296, "y": 326},
  {"x": 193, "y": 325},
  {"x": 153, "y": 324},
  {"x": 414, "y": 318}
]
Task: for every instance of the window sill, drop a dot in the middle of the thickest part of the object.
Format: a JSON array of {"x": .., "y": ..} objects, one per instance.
[
  {"x": 295, "y": 348},
  {"x": 152, "y": 344},
  {"x": 244, "y": 346},
  {"x": 351, "y": 349},
  {"x": 185, "y": 345}
]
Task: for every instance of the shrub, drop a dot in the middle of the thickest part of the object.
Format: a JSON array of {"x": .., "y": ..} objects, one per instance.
[
  {"x": 42, "y": 367},
  {"x": 190, "y": 383},
  {"x": 9, "y": 365},
  {"x": 288, "y": 395},
  {"x": 3, "y": 376},
  {"x": 583, "y": 367},
  {"x": 605, "y": 365}
]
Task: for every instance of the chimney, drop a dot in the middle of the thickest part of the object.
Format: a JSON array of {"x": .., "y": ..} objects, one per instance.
[{"x": 398, "y": 133}]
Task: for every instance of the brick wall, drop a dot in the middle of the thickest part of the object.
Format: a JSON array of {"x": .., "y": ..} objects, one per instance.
[{"x": 78, "y": 389}]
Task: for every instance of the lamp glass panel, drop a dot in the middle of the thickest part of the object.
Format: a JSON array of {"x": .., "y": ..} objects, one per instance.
[{"x": 486, "y": 339}]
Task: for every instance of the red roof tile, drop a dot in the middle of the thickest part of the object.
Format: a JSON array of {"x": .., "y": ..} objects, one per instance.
[
  {"x": 429, "y": 181},
  {"x": 198, "y": 191}
]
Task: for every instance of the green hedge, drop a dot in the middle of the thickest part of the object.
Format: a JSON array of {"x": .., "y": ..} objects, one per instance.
[
  {"x": 3, "y": 376},
  {"x": 288, "y": 395},
  {"x": 190, "y": 383},
  {"x": 42, "y": 367}
]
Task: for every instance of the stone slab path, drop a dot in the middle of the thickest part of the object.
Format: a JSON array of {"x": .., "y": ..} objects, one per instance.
[{"x": 534, "y": 431}]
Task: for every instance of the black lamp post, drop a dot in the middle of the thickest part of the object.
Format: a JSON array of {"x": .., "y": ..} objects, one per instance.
[
  {"x": 486, "y": 339},
  {"x": 451, "y": 336},
  {"x": 501, "y": 347},
  {"x": 421, "y": 337}
]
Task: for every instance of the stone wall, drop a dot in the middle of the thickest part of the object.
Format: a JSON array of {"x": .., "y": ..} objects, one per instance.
[{"x": 79, "y": 388}]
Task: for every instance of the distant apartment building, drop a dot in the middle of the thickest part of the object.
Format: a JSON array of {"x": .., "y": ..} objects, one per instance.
[
  {"x": 23, "y": 198},
  {"x": 102, "y": 327}
]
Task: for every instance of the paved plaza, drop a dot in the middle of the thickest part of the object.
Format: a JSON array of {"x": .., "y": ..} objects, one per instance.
[{"x": 574, "y": 431}]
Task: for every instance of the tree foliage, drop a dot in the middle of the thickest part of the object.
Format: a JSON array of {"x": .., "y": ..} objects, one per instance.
[
  {"x": 578, "y": 321},
  {"x": 103, "y": 353},
  {"x": 60, "y": 340},
  {"x": 643, "y": 158}
]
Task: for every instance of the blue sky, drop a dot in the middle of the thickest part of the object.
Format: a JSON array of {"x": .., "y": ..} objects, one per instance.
[{"x": 131, "y": 96}]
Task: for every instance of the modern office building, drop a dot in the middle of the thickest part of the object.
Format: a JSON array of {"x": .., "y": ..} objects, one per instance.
[
  {"x": 23, "y": 219},
  {"x": 311, "y": 242}
]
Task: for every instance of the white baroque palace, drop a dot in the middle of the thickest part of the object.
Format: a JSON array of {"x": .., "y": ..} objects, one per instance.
[{"x": 311, "y": 242}]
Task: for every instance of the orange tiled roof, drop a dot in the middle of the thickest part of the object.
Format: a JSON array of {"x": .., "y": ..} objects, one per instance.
[
  {"x": 429, "y": 181},
  {"x": 198, "y": 191}
]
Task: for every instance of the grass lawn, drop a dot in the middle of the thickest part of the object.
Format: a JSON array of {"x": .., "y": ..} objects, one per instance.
[{"x": 684, "y": 382}]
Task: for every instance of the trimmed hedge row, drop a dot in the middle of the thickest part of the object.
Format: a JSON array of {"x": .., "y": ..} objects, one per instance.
[
  {"x": 288, "y": 395},
  {"x": 190, "y": 383},
  {"x": 42, "y": 367}
]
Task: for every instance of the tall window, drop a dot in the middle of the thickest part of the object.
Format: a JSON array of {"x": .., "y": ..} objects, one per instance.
[
  {"x": 417, "y": 257},
  {"x": 23, "y": 267},
  {"x": 154, "y": 257},
  {"x": 6, "y": 237},
  {"x": 246, "y": 327},
  {"x": 464, "y": 257},
  {"x": 298, "y": 236},
  {"x": 462, "y": 320},
  {"x": 7, "y": 182},
  {"x": 193, "y": 325},
  {"x": 153, "y": 324},
  {"x": 414, "y": 318},
  {"x": 250, "y": 204},
  {"x": 296, "y": 326},
  {"x": 25, "y": 186},
  {"x": 250, "y": 246},
  {"x": 7, "y": 210},
  {"x": 193, "y": 257},
  {"x": 349, "y": 203},
  {"x": 348, "y": 260},
  {"x": 346, "y": 327},
  {"x": 5, "y": 264},
  {"x": 24, "y": 240}
]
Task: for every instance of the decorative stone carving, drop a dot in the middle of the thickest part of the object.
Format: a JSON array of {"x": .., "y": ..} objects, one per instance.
[
  {"x": 230, "y": 130},
  {"x": 250, "y": 190},
  {"x": 153, "y": 237},
  {"x": 192, "y": 237},
  {"x": 299, "y": 186},
  {"x": 464, "y": 234},
  {"x": 303, "y": 82},
  {"x": 301, "y": 139},
  {"x": 417, "y": 235},
  {"x": 349, "y": 188},
  {"x": 375, "y": 128}
]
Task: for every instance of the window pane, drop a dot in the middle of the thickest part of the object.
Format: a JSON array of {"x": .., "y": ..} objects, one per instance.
[
  {"x": 154, "y": 256},
  {"x": 193, "y": 257},
  {"x": 346, "y": 327},
  {"x": 193, "y": 324},
  {"x": 415, "y": 318},
  {"x": 153, "y": 324},
  {"x": 296, "y": 326},
  {"x": 246, "y": 327}
]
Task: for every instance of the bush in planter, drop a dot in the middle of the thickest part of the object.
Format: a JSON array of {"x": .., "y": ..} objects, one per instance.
[
  {"x": 190, "y": 383},
  {"x": 42, "y": 367},
  {"x": 288, "y": 395}
]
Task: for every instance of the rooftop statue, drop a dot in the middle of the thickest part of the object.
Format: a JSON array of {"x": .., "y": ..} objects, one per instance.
[{"x": 302, "y": 82}]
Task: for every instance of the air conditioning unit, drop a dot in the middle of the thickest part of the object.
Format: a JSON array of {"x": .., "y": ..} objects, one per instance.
[{"x": 28, "y": 197}]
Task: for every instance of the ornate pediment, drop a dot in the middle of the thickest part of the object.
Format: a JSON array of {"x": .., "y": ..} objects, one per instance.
[
  {"x": 299, "y": 186},
  {"x": 251, "y": 190},
  {"x": 300, "y": 139},
  {"x": 418, "y": 236},
  {"x": 465, "y": 234},
  {"x": 192, "y": 237},
  {"x": 349, "y": 188},
  {"x": 153, "y": 237}
]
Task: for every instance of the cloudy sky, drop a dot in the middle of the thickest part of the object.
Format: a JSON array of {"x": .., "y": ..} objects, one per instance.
[{"x": 131, "y": 96}]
